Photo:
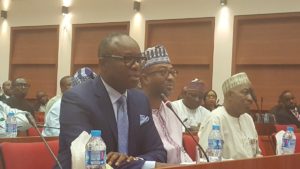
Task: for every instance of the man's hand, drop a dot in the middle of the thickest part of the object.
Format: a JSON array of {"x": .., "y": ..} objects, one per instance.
[{"x": 117, "y": 159}]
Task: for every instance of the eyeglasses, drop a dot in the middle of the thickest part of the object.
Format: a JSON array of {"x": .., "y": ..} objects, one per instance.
[
  {"x": 129, "y": 60},
  {"x": 165, "y": 72},
  {"x": 24, "y": 85},
  {"x": 195, "y": 95}
]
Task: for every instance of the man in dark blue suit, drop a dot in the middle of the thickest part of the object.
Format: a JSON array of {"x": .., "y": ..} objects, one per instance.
[{"x": 94, "y": 105}]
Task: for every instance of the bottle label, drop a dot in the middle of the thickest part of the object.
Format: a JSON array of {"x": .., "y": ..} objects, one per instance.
[
  {"x": 293, "y": 142},
  {"x": 287, "y": 143},
  {"x": 95, "y": 157},
  {"x": 215, "y": 143},
  {"x": 11, "y": 127}
]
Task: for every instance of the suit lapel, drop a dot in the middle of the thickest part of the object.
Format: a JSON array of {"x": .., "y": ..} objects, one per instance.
[{"x": 106, "y": 108}]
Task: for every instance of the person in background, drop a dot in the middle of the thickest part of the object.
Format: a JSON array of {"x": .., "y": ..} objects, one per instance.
[
  {"x": 22, "y": 121},
  {"x": 236, "y": 126},
  {"x": 287, "y": 110},
  {"x": 20, "y": 88},
  {"x": 111, "y": 103},
  {"x": 158, "y": 76},
  {"x": 65, "y": 84},
  {"x": 189, "y": 107},
  {"x": 7, "y": 91},
  {"x": 42, "y": 99},
  {"x": 211, "y": 101},
  {"x": 52, "y": 118}
]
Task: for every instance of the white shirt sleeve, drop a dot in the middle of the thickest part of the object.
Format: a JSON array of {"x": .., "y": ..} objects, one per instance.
[
  {"x": 22, "y": 121},
  {"x": 52, "y": 120},
  {"x": 149, "y": 165}
]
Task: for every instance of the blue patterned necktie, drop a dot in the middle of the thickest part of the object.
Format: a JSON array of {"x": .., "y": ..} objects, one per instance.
[{"x": 122, "y": 122}]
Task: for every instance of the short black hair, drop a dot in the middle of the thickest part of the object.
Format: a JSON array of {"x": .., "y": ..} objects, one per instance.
[
  {"x": 106, "y": 43},
  {"x": 281, "y": 96},
  {"x": 63, "y": 79},
  {"x": 14, "y": 82},
  {"x": 6, "y": 82}
]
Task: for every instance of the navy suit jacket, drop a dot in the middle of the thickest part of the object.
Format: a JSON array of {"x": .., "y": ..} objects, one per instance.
[
  {"x": 285, "y": 116},
  {"x": 88, "y": 107}
]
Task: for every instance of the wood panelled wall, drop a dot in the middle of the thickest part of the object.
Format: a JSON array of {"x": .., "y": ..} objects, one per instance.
[
  {"x": 267, "y": 48},
  {"x": 86, "y": 40},
  {"x": 189, "y": 43},
  {"x": 33, "y": 56}
]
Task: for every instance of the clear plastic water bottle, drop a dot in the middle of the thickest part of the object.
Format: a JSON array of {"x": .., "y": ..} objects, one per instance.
[
  {"x": 11, "y": 125},
  {"x": 215, "y": 144},
  {"x": 288, "y": 141},
  {"x": 95, "y": 151}
]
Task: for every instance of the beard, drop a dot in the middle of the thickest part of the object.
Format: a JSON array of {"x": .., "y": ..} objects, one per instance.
[{"x": 157, "y": 91}]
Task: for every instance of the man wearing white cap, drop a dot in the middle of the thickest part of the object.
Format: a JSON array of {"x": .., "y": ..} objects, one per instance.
[
  {"x": 189, "y": 107},
  {"x": 236, "y": 126},
  {"x": 158, "y": 76}
]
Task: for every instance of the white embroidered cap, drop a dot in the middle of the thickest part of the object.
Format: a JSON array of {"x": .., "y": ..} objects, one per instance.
[
  {"x": 156, "y": 55},
  {"x": 234, "y": 81}
]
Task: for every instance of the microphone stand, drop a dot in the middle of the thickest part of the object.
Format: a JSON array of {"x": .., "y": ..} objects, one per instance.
[
  {"x": 258, "y": 110},
  {"x": 261, "y": 104},
  {"x": 42, "y": 126},
  {"x": 168, "y": 103},
  {"x": 33, "y": 123},
  {"x": 255, "y": 100}
]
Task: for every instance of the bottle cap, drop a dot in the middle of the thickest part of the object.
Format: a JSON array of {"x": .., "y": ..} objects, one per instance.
[
  {"x": 96, "y": 133},
  {"x": 216, "y": 127},
  {"x": 290, "y": 128},
  {"x": 11, "y": 114}
]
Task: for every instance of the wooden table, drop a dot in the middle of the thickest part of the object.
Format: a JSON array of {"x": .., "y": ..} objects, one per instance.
[
  {"x": 26, "y": 139},
  {"x": 269, "y": 162}
]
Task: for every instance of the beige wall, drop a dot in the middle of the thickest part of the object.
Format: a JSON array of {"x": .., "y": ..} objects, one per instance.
[{"x": 47, "y": 12}]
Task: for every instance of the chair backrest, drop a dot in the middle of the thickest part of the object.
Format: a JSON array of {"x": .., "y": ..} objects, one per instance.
[
  {"x": 266, "y": 145},
  {"x": 190, "y": 146},
  {"x": 261, "y": 146},
  {"x": 32, "y": 132},
  {"x": 273, "y": 141},
  {"x": 39, "y": 117},
  {"x": 33, "y": 155},
  {"x": 283, "y": 127}
]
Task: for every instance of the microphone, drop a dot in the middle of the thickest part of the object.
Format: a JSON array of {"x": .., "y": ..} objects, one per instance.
[
  {"x": 261, "y": 104},
  {"x": 33, "y": 123},
  {"x": 259, "y": 111},
  {"x": 168, "y": 104},
  {"x": 252, "y": 93},
  {"x": 50, "y": 127},
  {"x": 186, "y": 119}
]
